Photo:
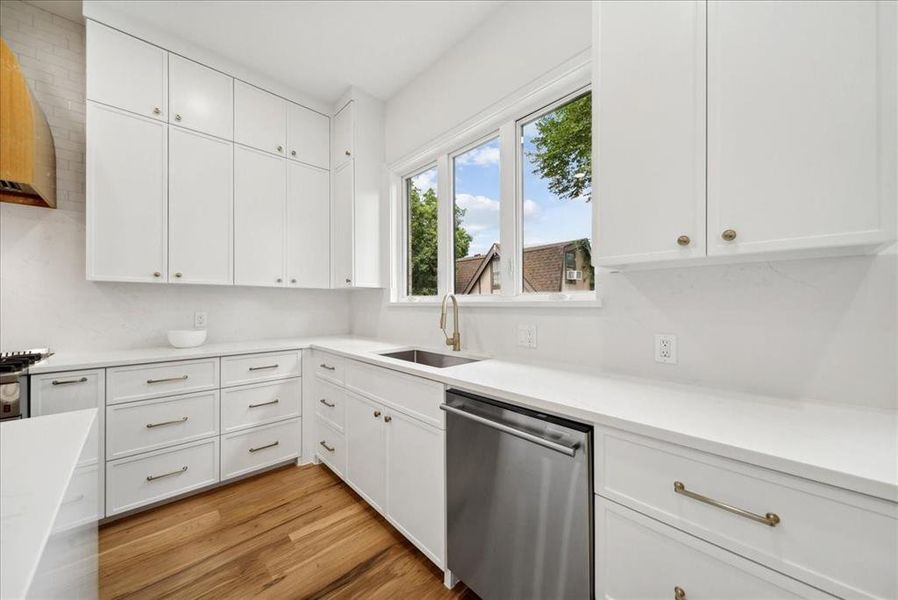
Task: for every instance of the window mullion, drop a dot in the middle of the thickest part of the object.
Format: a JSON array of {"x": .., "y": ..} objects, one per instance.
[
  {"x": 445, "y": 227},
  {"x": 509, "y": 225}
]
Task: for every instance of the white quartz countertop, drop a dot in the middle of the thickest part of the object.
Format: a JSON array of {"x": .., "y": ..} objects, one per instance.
[
  {"x": 37, "y": 461},
  {"x": 850, "y": 447}
]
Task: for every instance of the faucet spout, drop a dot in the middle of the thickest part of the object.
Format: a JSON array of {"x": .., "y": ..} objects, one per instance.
[{"x": 455, "y": 339}]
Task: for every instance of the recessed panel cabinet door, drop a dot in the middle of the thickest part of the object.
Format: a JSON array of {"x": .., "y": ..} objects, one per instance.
[
  {"x": 416, "y": 490},
  {"x": 259, "y": 207},
  {"x": 260, "y": 119},
  {"x": 649, "y": 131},
  {"x": 125, "y": 72},
  {"x": 201, "y": 207},
  {"x": 201, "y": 98},
  {"x": 343, "y": 229},
  {"x": 126, "y": 196},
  {"x": 801, "y": 124},
  {"x": 344, "y": 135},
  {"x": 308, "y": 136},
  {"x": 308, "y": 226},
  {"x": 366, "y": 450}
]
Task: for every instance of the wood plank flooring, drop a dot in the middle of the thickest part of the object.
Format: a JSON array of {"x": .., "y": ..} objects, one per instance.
[{"x": 295, "y": 532}]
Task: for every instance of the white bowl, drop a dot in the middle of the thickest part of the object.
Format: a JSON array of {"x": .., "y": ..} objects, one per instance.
[{"x": 186, "y": 338}]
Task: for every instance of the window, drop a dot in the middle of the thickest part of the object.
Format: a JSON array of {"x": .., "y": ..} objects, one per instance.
[
  {"x": 556, "y": 186},
  {"x": 491, "y": 243},
  {"x": 476, "y": 215},
  {"x": 423, "y": 233}
]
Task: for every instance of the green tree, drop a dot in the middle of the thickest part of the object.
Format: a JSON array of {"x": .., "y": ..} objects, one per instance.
[
  {"x": 563, "y": 145},
  {"x": 423, "y": 236}
]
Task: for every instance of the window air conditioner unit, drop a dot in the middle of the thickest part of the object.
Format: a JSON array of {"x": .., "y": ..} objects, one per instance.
[{"x": 574, "y": 275}]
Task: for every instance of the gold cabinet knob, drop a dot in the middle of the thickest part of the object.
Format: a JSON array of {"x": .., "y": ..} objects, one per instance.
[
  {"x": 683, "y": 240},
  {"x": 679, "y": 593},
  {"x": 347, "y": 153},
  {"x": 178, "y": 275},
  {"x": 376, "y": 413},
  {"x": 387, "y": 419},
  {"x": 157, "y": 274},
  {"x": 157, "y": 111},
  {"x": 728, "y": 234}
]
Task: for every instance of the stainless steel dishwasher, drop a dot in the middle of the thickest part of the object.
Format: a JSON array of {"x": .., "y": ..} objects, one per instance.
[{"x": 519, "y": 501}]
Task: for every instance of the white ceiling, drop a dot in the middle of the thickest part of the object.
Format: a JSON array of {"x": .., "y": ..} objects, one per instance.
[{"x": 319, "y": 47}]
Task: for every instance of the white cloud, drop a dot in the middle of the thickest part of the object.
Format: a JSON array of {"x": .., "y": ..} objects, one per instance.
[
  {"x": 531, "y": 208},
  {"x": 473, "y": 203},
  {"x": 426, "y": 180},
  {"x": 480, "y": 156}
]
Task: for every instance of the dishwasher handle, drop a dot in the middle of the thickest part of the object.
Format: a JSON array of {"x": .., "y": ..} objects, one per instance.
[{"x": 524, "y": 435}]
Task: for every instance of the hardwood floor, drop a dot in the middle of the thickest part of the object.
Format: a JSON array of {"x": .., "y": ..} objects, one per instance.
[{"x": 289, "y": 533}]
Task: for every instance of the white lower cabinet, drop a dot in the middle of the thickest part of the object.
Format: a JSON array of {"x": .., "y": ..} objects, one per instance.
[
  {"x": 331, "y": 447},
  {"x": 640, "y": 558},
  {"x": 247, "y": 451},
  {"x": 147, "y": 478},
  {"x": 366, "y": 463},
  {"x": 416, "y": 479}
]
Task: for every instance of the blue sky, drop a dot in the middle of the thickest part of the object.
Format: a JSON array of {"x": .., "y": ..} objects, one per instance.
[{"x": 546, "y": 218}]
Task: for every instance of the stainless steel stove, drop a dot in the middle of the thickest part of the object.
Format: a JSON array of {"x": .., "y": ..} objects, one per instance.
[{"x": 14, "y": 381}]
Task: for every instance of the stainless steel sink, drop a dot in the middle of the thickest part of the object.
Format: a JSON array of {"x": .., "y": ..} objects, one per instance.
[{"x": 431, "y": 359}]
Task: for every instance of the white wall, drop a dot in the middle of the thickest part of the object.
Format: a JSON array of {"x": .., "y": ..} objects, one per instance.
[
  {"x": 44, "y": 297},
  {"x": 822, "y": 329}
]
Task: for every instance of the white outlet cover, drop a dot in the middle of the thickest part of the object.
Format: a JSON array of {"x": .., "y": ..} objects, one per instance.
[
  {"x": 666, "y": 348},
  {"x": 527, "y": 336},
  {"x": 200, "y": 320}
]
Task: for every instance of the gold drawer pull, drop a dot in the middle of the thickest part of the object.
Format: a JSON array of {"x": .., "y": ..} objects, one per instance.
[
  {"x": 327, "y": 366},
  {"x": 168, "y": 379},
  {"x": 271, "y": 445},
  {"x": 275, "y": 401},
  {"x": 178, "y": 472},
  {"x": 176, "y": 421},
  {"x": 68, "y": 381},
  {"x": 771, "y": 519},
  {"x": 327, "y": 404},
  {"x": 274, "y": 366},
  {"x": 325, "y": 446},
  {"x": 679, "y": 593}
]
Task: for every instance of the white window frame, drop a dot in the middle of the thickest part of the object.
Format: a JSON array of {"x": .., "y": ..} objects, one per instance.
[{"x": 506, "y": 118}]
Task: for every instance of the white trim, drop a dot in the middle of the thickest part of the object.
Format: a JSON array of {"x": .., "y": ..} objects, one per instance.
[{"x": 560, "y": 300}]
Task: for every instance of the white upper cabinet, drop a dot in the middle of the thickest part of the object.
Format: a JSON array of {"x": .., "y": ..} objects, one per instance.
[
  {"x": 201, "y": 98},
  {"x": 126, "y": 196},
  {"x": 259, "y": 217},
  {"x": 801, "y": 125},
  {"x": 125, "y": 72},
  {"x": 200, "y": 208},
  {"x": 308, "y": 226},
  {"x": 260, "y": 119},
  {"x": 343, "y": 227},
  {"x": 650, "y": 135},
  {"x": 308, "y": 136},
  {"x": 344, "y": 135}
]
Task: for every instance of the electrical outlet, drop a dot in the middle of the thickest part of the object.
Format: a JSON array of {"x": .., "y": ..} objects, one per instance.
[
  {"x": 200, "y": 319},
  {"x": 666, "y": 348},
  {"x": 527, "y": 336}
]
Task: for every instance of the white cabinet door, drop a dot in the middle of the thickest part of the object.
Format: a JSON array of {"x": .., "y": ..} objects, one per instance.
[
  {"x": 801, "y": 125},
  {"x": 649, "y": 107},
  {"x": 201, "y": 207},
  {"x": 365, "y": 449},
  {"x": 126, "y": 196},
  {"x": 344, "y": 135},
  {"x": 125, "y": 72},
  {"x": 416, "y": 493},
  {"x": 308, "y": 136},
  {"x": 343, "y": 231},
  {"x": 259, "y": 207},
  {"x": 200, "y": 98},
  {"x": 308, "y": 226},
  {"x": 260, "y": 118}
]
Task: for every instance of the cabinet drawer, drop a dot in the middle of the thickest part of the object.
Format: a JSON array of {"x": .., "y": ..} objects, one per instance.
[
  {"x": 417, "y": 397},
  {"x": 252, "y": 368},
  {"x": 836, "y": 540},
  {"x": 136, "y": 427},
  {"x": 640, "y": 558},
  {"x": 147, "y": 478},
  {"x": 329, "y": 367},
  {"x": 139, "y": 382},
  {"x": 54, "y": 393},
  {"x": 330, "y": 447},
  {"x": 330, "y": 403},
  {"x": 260, "y": 403},
  {"x": 260, "y": 447}
]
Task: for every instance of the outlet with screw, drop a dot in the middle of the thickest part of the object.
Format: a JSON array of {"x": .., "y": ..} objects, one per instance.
[{"x": 666, "y": 348}]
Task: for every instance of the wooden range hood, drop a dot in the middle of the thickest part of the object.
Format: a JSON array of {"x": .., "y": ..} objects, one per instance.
[{"x": 27, "y": 152}]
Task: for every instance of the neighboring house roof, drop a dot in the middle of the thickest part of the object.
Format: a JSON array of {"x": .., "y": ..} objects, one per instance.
[{"x": 543, "y": 267}]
